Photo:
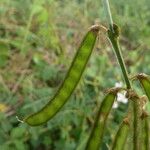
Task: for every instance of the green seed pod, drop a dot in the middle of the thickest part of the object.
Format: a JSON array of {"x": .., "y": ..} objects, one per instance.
[
  {"x": 96, "y": 135},
  {"x": 135, "y": 99},
  {"x": 121, "y": 136},
  {"x": 70, "y": 82},
  {"x": 145, "y": 83},
  {"x": 145, "y": 132}
]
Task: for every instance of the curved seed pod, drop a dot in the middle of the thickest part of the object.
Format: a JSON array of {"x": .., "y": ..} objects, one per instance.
[
  {"x": 145, "y": 83},
  {"x": 145, "y": 132},
  {"x": 70, "y": 82},
  {"x": 121, "y": 136},
  {"x": 96, "y": 136}
]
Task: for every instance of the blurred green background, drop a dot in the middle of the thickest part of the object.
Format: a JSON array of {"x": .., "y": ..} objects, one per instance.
[{"x": 38, "y": 40}]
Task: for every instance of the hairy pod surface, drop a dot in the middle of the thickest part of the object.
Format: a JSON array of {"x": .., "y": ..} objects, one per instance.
[
  {"x": 121, "y": 136},
  {"x": 135, "y": 99},
  {"x": 145, "y": 83},
  {"x": 70, "y": 82},
  {"x": 96, "y": 135},
  {"x": 145, "y": 132}
]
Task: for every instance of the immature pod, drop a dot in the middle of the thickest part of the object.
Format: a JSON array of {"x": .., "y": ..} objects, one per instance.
[
  {"x": 135, "y": 99},
  {"x": 96, "y": 135},
  {"x": 70, "y": 82},
  {"x": 145, "y": 132},
  {"x": 121, "y": 136},
  {"x": 145, "y": 83}
]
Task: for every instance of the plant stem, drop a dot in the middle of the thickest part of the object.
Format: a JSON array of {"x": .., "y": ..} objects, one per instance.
[
  {"x": 115, "y": 44},
  {"x": 113, "y": 34},
  {"x": 108, "y": 12}
]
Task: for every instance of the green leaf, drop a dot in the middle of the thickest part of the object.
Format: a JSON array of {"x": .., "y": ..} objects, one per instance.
[{"x": 18, "y": 132}]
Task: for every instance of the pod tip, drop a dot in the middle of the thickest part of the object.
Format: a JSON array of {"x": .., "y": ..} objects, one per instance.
[
  {"x": 114, "y": 90},
  {"x": 126, "y": 121},
  {"x": 142, "y": 76},
  {"x": 95, "y": 28},
  {"x": 144, "y": 115},
  {"x": 131, "y": 94}
]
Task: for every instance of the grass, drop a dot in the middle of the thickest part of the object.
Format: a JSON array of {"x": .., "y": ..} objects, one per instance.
[{"x": 37, "y": 43}]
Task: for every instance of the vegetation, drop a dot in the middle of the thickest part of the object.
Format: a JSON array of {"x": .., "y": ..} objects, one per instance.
[{"x": 38, "y": 40}]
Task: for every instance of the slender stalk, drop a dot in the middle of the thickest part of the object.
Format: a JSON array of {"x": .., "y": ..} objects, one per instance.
[
  {"x": 114, "y": 38},
  {"x": 113, "y": 34},
  {"x": 108, "y": 12}
]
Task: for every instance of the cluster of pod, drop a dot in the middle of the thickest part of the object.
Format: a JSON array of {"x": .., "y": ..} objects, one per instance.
[{"x": 68, "y": 86}]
